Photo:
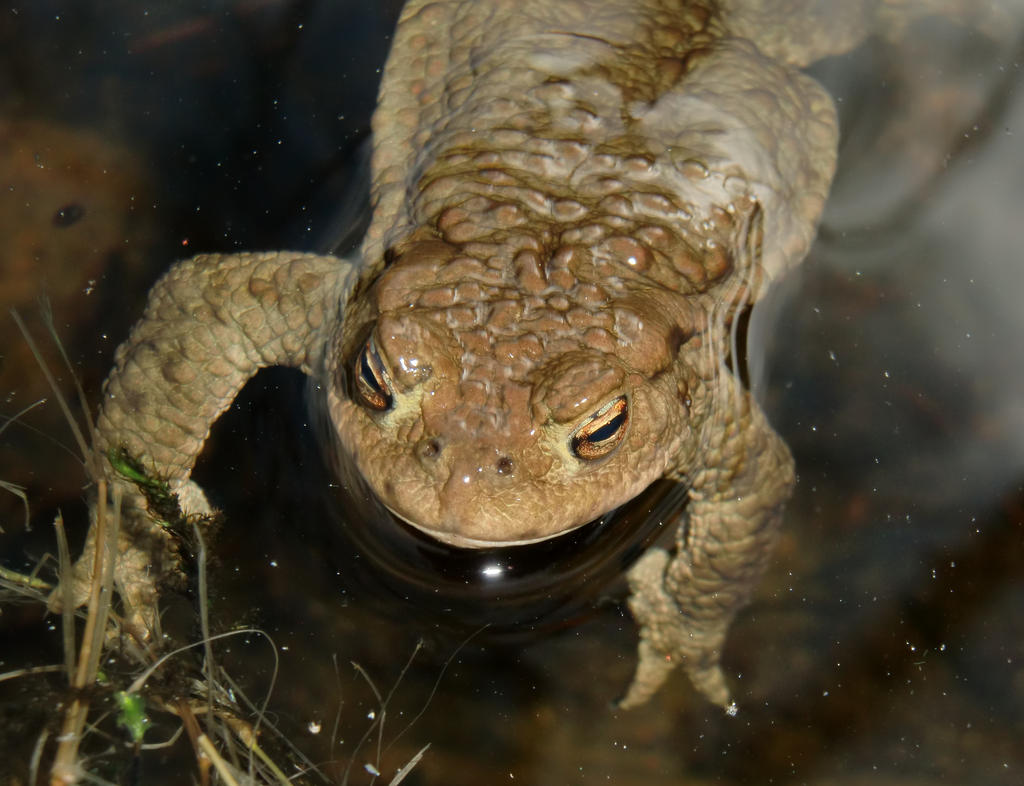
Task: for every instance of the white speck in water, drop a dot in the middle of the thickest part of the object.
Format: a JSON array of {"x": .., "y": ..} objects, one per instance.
[
  {"x": 314, "y": 727},
  {"x": 732, "y": 710},
  {"x": 492, "y": 571},
  {"x": 90, "y": 285},
  {"x": 465, "y": 478},
  {"x": 371, "y": 715},
  {"x": 371, "y": 769},
  {"x": 273, "y": 563}
]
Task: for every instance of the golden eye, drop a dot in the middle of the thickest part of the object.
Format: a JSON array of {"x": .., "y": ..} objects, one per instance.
[
  {"x": 372, "y": 382},
  {"x": 602, "y": 432}
]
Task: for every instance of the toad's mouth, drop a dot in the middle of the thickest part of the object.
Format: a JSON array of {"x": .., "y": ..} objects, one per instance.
[
  {"x": 463, "y": 542},
  {"x": 511, "y": 586}
]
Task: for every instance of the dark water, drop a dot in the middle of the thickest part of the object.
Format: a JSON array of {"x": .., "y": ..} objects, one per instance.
[{"x": 885, "y": 644}]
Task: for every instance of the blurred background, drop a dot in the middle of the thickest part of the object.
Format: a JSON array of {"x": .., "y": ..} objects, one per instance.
[{"x": 886, "y": 644}]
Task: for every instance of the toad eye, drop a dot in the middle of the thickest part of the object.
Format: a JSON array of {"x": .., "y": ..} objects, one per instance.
[
  {"x": 602, "y": 432},
  {"x": 371, "y": 377}
]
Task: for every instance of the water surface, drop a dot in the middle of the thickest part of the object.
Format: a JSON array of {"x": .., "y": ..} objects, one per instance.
[{"x": 885, "y": 644}]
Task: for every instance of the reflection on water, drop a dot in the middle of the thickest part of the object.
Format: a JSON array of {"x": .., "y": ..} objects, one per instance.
[
  {"x": 517, "y": 592},
  {"x": 885, "y": 645}
]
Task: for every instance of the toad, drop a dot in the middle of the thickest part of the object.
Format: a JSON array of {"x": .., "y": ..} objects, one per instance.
[{"x": 572, "y": 203}]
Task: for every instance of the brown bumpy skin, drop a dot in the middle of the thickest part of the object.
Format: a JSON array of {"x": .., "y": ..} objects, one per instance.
[
  {"x": 572, "y": 203},
  {"x": 210, "y": 324},
  {"x": 576, "y": 200}
]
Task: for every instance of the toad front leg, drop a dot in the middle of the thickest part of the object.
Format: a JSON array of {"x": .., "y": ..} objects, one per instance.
[
  {"x": 211, "y": 323},
  {"x": 684, "y": 602}
]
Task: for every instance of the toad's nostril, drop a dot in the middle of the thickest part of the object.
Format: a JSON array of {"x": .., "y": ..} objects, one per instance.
[
  {"x": 430, "y": 448},
  {"x": 504, "y": 466}
]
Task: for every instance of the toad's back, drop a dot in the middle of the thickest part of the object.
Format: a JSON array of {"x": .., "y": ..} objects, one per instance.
[{"x": 572, "y": 200}]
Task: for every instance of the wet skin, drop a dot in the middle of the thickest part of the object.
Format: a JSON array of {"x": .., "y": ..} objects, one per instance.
[{"x": 572, "y": 203}]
